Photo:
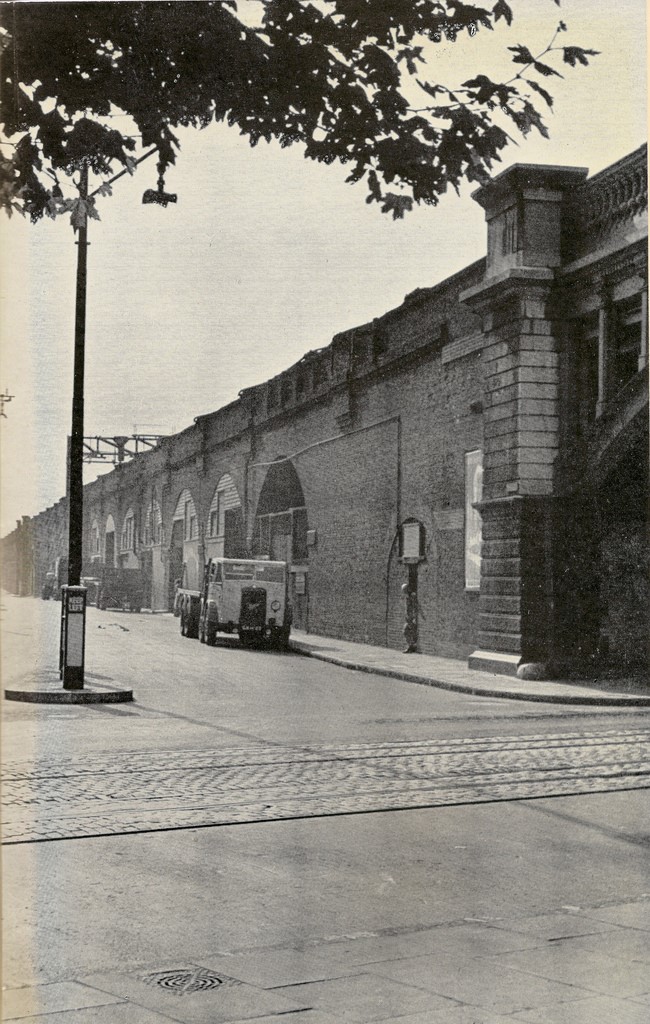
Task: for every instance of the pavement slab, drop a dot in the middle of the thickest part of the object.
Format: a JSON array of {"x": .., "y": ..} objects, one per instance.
[
  {"x": 115, "y": 1013},
  {"x": 296, "y": 1017},
  {"x": 365, "y": 997},
  {"x": 632, "y": 946},
  {"x": 629, "y": 915},
  {"x": 193, "y": 994},
  {"x": 453, "y": 1013},
  {"x": 274, "y": 968},
  {"x": 593, "y": 971},
  {"x": 29, "y": 1001},
  {"x": 595, "y": 1010},
  {"x": 481, "y": 983}
]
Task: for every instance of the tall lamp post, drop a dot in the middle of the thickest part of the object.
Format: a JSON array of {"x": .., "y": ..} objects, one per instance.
[
  {"x": 73, "y": 598},
  {"x": 75, "y": 454}
]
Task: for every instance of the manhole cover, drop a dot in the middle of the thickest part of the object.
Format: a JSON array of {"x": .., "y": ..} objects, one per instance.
[{"x": 181, "y": 982}]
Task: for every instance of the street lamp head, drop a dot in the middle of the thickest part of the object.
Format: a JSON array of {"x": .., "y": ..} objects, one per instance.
[{"x": 159, "y": 197}]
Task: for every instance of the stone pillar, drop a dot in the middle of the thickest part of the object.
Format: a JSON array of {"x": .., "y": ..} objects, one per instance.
[
  {"x": 643, "y": 354},
  {"x": 522, "y": 354},
  {"x": 604, "y": 351},
  {"x": 521, "y": 443}
]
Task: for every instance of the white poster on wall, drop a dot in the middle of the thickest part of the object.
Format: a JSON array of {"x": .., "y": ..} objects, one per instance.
[{"x": 473, "y": 519}]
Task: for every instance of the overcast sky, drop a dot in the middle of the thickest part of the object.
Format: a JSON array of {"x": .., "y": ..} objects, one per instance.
[{"x": 265, "y": 256}]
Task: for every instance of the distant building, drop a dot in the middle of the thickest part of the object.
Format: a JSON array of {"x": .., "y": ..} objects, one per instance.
[{"x": 487, "y": 440}]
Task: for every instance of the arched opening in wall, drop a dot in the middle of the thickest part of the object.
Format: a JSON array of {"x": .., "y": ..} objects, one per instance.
[
  {"x": 109, "y": 542},
  {"x": 95, "y": 542},
  {"x": 281, "y": 528},
  {"x": 128, "y": 556},
  {"x": 602, "y": 567},
  {"x": 224, "y": 533},
  {"x": 152, "y": 533},
  {"x": 184, "y": 546},
  {"x": 624, "y": 598},
  {"x": 151, "y": 560}
]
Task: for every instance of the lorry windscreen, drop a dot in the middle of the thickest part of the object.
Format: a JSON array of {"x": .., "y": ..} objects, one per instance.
[
  {"x": 269, "y": 573},
  {"x": 238, "y": 571}
]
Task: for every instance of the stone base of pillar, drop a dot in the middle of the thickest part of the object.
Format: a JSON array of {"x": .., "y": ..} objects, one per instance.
[
  {"x": 502, "y": 664},
  {"x": 495, "y": 661}
]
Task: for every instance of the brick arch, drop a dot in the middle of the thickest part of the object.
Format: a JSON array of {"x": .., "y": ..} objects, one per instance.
[
  {"x": 281, "y": 489},
  {"x": 185, "y": 559},
  {"x": 280, "y": 529},
  {"x": 128, "y": 531},
  {"x": 224, "y": 528},
  {"x": 152, "y": 562},
  {"x": 95, "y": 541},
  {"x": 152, "y": 522},
  {"x": 110, "y": 546},
  {"x": 185, "y": 510},
  {"x": 281, "y": 524}
]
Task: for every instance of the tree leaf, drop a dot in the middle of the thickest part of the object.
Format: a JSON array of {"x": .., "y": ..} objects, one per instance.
[
  {"x": 576, "y": 54},
  {"x": 542, "y": 92},
  {"x": 523, "y": 55},
  {"x": 545, "y": 70},
  {"x": 501, "y": 10}
]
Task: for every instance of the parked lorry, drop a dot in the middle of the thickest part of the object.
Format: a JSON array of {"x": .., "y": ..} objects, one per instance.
[
  {"x": 120, "y": 588},
  {"x": 246, "y": 596},
  {"x": 49, "y": 583}
]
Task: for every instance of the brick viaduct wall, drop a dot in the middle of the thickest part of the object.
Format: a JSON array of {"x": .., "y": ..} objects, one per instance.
[{"x": 498, "y": 358}]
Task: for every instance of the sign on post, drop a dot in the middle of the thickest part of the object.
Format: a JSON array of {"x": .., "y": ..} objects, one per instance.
[
  {"x": 73, "y": 636},
  {"x": 412, "y": 542}
]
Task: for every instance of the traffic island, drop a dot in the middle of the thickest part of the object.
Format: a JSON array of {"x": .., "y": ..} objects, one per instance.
[{"x": 46, "y": 688}]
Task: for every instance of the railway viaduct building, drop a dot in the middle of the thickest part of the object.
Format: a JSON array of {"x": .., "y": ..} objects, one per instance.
[{"x": 494, "y": 427}]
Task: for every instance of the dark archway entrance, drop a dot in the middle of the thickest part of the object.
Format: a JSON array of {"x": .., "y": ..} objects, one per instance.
[
  {"x": 109, "y": 542},
  {"x": 625, "y": 563},
  {"x": 281, "y": 531},
  {"x": 602, "y": 574},
  {"x": 175, "y": 560}
]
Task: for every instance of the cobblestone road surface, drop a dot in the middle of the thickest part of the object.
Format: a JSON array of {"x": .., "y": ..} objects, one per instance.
[{"x": 67, "y": 798}]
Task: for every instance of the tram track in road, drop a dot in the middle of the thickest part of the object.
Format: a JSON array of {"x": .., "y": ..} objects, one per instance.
[{"x": 146, "y": 791}]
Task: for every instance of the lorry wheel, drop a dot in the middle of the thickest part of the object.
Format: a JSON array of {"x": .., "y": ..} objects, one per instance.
[
  {"x": 282, "y": 642},
  {"x": 192, "y": 625}
]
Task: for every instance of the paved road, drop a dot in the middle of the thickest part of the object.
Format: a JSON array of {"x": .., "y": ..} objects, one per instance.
[
  {"x": 382, "y": 852},
  {"x": 231, "y": 735},
  {"x": 141, "y": 792}
]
